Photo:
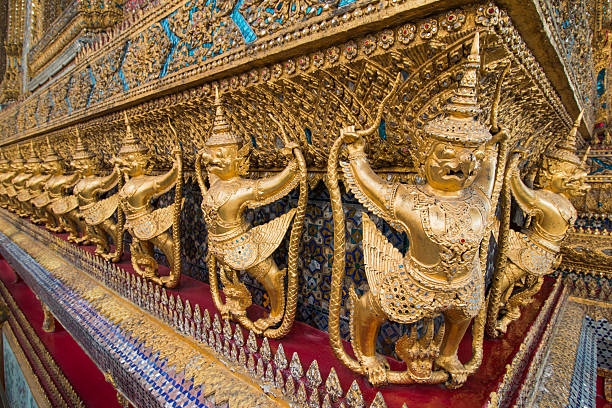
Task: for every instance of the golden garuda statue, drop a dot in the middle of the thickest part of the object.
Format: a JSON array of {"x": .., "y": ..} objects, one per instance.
[
  {"x": 19, "y": 181},
  {"x": 7, "y": 173},
  {"x": 149, "y": 227},
  {"x": 33, "y": 186},
  {"x": 233, "y": 244},
  {"x": 36, "y": 186},
  {"x": 524, "y": 257},
  {"x": 95, "y": 212},
  {"x": 446, "y": 217},
  {"x": 59, "y": 205}
]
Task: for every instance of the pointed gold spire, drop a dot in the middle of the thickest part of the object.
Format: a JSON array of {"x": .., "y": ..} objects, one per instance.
[
  {"x": 80, "y": 150},
  {"x": 18, "y": 157},
  {"x": 458, "y": 123},
  {"x": 131, "y": 143},
  {"x": 52, "y": 155},
  {"x": 221, "y": 133},
  {"x": 34, "y": 158},
  {"x": 565, "y": 150}
]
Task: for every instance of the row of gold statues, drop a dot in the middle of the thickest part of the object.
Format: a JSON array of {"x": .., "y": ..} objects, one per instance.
[{"x": 448, "y": 214}]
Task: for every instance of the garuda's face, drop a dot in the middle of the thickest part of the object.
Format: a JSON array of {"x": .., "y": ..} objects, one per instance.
[
  {"x": 451, "y": 167},
  {"x": 84, "y": 166},
  {"x": 134, "y": 164},
  {"x": 53, "y": 167},
  {"x": 222, "y": 161},
  {"x": 569, "y": 180}
]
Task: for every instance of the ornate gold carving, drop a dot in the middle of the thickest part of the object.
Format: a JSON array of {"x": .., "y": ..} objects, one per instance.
[
  {"x": 38, "y": 391},
  {"x": 95, "y": 212},
  {"x": 42, "y": 360},
  {"x": 61, "y": 209},
  {"x": 149, "y": 227},
  {"x": 234, "y": 246},
  {"x": 446, "y": 217},
  {"x": 48, "y": 324},
  {"x": 525, "y": 257}
]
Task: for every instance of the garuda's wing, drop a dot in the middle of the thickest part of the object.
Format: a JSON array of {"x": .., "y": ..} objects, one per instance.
[
  {"x": 363, "y": 198},
  {"x": 151, "y": 225},
  {"x": 269, "y": 236},
  {"x": 101, "y": 210},
  {"x": 381, "y": 257}
]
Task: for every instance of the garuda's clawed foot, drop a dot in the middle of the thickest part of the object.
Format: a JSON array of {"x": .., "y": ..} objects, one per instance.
[
  {"x": 73, "y": 238},
  {"x": 376, "y": 368},
  {"x": 456, "y": 370},
  {"x": 265, "y": 323},
  {"x": 104, "y": 255}
]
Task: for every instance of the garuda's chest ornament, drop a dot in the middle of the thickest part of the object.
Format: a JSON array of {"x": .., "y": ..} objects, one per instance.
[
  {"x": 526, "y": 256},
  {"x": 446, "y": 219},
  {"x": 148, "y": 226},
  {"x": 233, "y": 245},
  {"x": 455, "y": 227}
]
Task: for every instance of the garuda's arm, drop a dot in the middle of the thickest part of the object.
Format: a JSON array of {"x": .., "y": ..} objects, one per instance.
[
  {"x": 163, "y": 183},
  {"x": 108, "y": 182},
  {"x": 376, "y": 194},
  {"x": 266, "y": 190},
  {"x": 485, "y": 180},
  {"x": 69, "y": 181},
  {"x": 526, "y": 197}
]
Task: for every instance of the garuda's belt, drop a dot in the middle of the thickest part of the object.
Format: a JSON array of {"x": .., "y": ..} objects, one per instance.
[{"x": 100, "y": 211}]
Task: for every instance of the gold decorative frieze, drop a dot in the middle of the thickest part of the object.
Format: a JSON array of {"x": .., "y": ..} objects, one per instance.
[{"x": 346, "y": 79}]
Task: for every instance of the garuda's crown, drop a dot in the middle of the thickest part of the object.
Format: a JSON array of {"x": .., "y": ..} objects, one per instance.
[
  {"x": 565, "y": 150},
  {"x": 34, "y": 158},
  {"x": 80, "y": 150},
  {"x": 459, "y": 123},
  {"x": 131, "y": 143},
  {"x": 3, "y": 159},
  {"x": 18, "y": 157},
  {"x": 221, "y": 133},
  {"x": 52, "y": 155}
]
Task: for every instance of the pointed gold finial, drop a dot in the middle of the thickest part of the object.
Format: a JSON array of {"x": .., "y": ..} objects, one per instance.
[
  {"x": 131, "y": 143},
  {"x": 33, "y": 155},
  {"x": 221, "y": 133},
  {"x": 3, "y": 159},
  {"x": 571, "y": 138},
  {"x": 18, "y": 157},
  {"x": 51, "y": 155},
  {"x": 458, "y": 123},
  {"x": 565, "y": 150},
  {"x": 80, "y": 150}
]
